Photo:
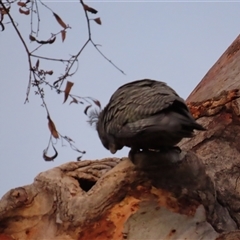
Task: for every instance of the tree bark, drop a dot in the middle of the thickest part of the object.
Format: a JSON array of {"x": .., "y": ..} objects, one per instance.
[{"x": 195, "y": 197}]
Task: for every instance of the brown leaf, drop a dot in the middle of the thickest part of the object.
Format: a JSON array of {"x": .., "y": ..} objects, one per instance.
[
  {"x": 47, "y": 158},
  {"x": 2, "y": 10},
  {"x": 24, "y": 12},
  {"x": 32, "y": 38},
  {"x": 63, "y": 33},
  {"x": 74, "y": 100},
  {"x": 67, "y": 90},
  {"x": 89, "y": 9},
  {"x": 49, "y": 72},
  {"x": 52, "y": 128},
  {"x": 37, "y": 64},
  {"x": 60, "y": 21},
  {"x": 98, "y": 21},
  {"x": 21, "y": 4},
  {"x": 55, "y": 84},
  {"x": 86, "y": 109},
  {"x": 97, "y": 103},
  {"x": 52, "y": 40}
]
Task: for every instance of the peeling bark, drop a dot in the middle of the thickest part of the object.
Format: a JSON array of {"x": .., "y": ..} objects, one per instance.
[{"x": 196, "y": 196}]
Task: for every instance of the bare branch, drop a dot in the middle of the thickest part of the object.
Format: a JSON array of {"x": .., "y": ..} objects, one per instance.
[
  {"x": 38, "y": 76},
  {"x": 52, "y": 59},
  {"x": 95, "y": 45}
]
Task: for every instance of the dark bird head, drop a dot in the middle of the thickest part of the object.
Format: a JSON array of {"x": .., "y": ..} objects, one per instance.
[{"x": 96, "y": 118}]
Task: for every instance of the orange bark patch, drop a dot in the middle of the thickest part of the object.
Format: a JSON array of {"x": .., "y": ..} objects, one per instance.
[
  {"x": 111, "y": 225},
  {"x": 212, "y": 106},
  {"x": 5, "y": 237},
  {"x": 182, "y": 205}
]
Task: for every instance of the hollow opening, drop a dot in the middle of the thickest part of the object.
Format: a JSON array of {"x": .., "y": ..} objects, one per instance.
[{"x": 86, "y": 184}]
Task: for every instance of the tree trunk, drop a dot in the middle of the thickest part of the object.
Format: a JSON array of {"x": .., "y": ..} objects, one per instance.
[{"x": 197, "y": 197}]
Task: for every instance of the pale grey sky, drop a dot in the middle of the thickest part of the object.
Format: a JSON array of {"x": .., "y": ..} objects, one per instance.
[{"x": 175, "y": 42}]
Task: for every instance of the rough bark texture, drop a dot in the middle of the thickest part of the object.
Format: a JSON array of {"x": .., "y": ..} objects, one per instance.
[{"x": 197, "y": 197}]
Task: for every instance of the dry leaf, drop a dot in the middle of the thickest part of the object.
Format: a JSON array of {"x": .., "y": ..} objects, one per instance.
[
  {"x": 89, "y": 9},
  {"x": 2, "y": 11},
  {"x": 74, "y": 100},
  {"x": 86, "y": 109},
  {"x": 97, "y": 103},
  {"x": 46, "y": 41},
  {"x": 67, "y": 90},
  {"x": 52, "y": 128},
  {"x": 21, "y": 4},
  {"x": 55, "y": 84},
  {"x": 52, "y": 40},
  {"x": 60, "y": 21},
  {"x": 37, "y": 64},
  {"x": 49, "y": 72},
  {"x": 47, "y": 158},
  {"x": 24, "y": 12},
  {"x": 98, "y": 21},
  {"x": 63, "y": 33},
  {"x": 32, "y": 38}
]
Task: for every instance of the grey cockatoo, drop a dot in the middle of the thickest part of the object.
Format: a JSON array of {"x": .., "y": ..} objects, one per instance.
[{"x": 144, "y": 114}]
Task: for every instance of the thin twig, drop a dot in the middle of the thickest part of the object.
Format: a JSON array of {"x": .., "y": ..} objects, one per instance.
[
  {"x": 71, "y": 65},
  {"x": 25, "y": 46},
  {"x": 53, "y": 35},
  {"x": 51, "y": 59},
  {"x": 95, "y": 45},
  {"x": 38, "y": 24},
  {"x": 32, "y": 12}
]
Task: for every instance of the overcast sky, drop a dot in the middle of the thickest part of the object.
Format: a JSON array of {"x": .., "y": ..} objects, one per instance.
[{"x": 175, "y": 42}]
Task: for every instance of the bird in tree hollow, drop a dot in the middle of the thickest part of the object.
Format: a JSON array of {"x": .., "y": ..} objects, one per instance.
[{"x": 144, "y": 115}]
